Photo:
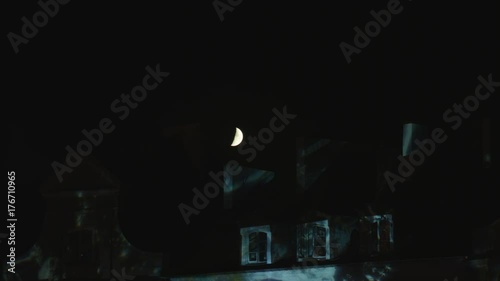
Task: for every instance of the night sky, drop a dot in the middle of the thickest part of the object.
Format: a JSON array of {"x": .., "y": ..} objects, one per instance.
[{"x": 233, "y": 73}]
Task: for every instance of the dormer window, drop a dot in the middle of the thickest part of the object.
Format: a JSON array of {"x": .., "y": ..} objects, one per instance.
[
  {"x": 256, "y": 245},
  {"x": 313, "y": 240},
  {"x": 377, "y": 233}
]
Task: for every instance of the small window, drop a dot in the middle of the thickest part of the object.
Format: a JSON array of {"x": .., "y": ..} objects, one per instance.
[
  {"x": 379, "y": 233},
  {"x": 319, "y": 242},
  {"x": 256, "y": 245},
  {"x": 313, "y": 241}
]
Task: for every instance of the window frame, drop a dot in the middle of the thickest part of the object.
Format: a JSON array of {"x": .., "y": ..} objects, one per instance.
[
  {"x": 309, "y": 240},
  {"x": 376, "y": 236},
  {"x": 245, "y": 244}
]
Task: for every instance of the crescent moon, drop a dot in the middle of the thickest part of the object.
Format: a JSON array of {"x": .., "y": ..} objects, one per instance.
[{"x": 238, "y": 137}]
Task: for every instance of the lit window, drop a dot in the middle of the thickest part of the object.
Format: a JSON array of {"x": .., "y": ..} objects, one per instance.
[{"x": 256, "y": 245}]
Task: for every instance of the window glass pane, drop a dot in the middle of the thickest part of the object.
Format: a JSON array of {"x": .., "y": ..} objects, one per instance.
[
  {"x": 262, "y": 256},
  {"x": 253, "y": 242},
  {"x": 262, "y": 246},
  {"x": 301, "y": 241},
  {"x": 320, "y": 241},
  {"x": 310, "y": 241},
  {"x": 257, "y": 247}
]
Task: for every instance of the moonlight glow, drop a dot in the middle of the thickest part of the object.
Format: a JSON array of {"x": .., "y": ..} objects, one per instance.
[{"x": 238, "y": 137}]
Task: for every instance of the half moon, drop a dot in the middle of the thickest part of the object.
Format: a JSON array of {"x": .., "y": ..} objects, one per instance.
[{"x": 238, "y": 137}]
